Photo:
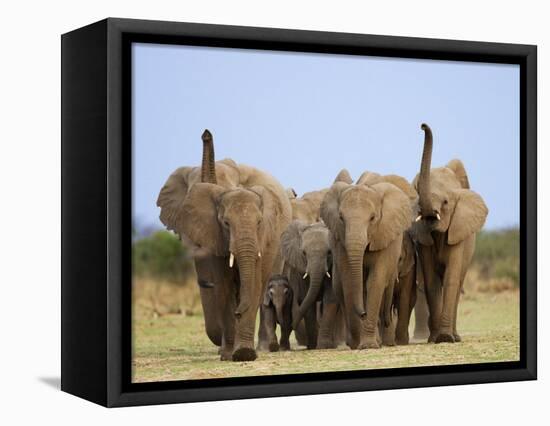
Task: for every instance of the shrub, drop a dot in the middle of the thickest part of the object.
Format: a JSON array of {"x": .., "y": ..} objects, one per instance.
[{"x": 162, "y": 256}]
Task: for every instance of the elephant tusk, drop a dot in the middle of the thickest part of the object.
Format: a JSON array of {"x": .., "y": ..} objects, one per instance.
[
  {"x": 418, "y": 218},
  {"x": 231, "y": 259},
  {"x": 328, "y": 274},
  {"x": 305, "y": 276},
  {"x": 259, "y": 254},
  {"x": 437, "y": 216}
]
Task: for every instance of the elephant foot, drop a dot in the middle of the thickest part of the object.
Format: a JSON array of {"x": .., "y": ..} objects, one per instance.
[
  {"x": 326, "y": 345},
  {"x": 226, "y": 356},
  {"x": 285, "y": 347},
  {"x": 274, "y": 347},
  {"x": 445, "y": 338},
  {"x": 244, "y": 354},
  {"x": 372, "y": 344},
  {"x": 432, "y": 338},
  {"x": 264, "y": 347},
  {"x": 388, "y": 342},
  {"x": 457, "y": 337},
  {"x": 402, "y": 340}
]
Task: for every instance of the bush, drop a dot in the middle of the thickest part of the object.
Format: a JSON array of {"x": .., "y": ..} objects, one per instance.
[
  {"x": 497, "y": 255},
  {"x": 162, "y": 256}
]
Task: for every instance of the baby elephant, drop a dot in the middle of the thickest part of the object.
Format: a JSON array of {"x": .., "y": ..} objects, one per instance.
[{"x": 277, "y": 308}]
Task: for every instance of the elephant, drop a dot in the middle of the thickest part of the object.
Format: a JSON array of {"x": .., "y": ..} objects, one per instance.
[
  {"x": 277, "y": 309},
  {"x": 307, "y": 207},
  {"x": 308, "y": 260},
  {"x": 404, "y": 295},
  {"x": 232, "y": 216},
  {"x": 450, "y": 215},
  {"x": 366, "y": 224}
]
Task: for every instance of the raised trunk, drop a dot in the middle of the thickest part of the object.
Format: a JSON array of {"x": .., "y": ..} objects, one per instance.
[
  {"x": 315, "y": 283},
  {"x": 424, "y": 190},
  {"x": 208, "y": 167}
]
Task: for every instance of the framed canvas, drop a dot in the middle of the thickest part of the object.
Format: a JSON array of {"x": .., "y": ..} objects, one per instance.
[{"x": 255, "y": 212}]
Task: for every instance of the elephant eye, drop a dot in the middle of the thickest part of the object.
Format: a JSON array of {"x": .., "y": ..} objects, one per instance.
[
  {"x": 341, "y": 217},
  {"x": 372, "y": 217},
  {"x": 271, "y": 291},
  {"x": 286, "y": 290},
  {"x": 226, "y": 223},
  {"x": 445, "y": 201}
]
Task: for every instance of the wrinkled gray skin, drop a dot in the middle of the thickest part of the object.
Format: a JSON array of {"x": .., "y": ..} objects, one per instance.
[
  {"x": 277, "y": 309},
  {"x": 308, "y": 259},
  {"x": 450, "y": 215},
  {"x": 404, "y": 295}
]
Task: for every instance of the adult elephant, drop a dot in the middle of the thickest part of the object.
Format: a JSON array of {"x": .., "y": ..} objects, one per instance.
[
  {"x": 367, "y": 223},
  {"x": 450, "y": 216},
  {"x": 404, "y": 293},
  {"x": 232, "y": 216}
]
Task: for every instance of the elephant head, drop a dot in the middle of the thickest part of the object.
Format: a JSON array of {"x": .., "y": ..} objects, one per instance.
[
  {"x": 446, "y": 202},
  {"x": 279, "y": 294},
  {"x": 306, "y": 249},
  {"x": 363, "y": 218}
]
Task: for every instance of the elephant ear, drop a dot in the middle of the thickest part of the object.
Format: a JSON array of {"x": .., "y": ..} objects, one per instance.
[
  {"x": 460, "y": 172},
  {"x": 329, "y": 210},
  {"x": 368, "y": 178},
  {"x": 343, "y": 176},
  {"x": 468, "y": 217},
  {"x": 403, "y": 185},
  {"x": 171, "y": 197},
  {"x": 395, "y": 216},
  {"x": 197, "y": 218},
  {"x": 291, "y": 245}
]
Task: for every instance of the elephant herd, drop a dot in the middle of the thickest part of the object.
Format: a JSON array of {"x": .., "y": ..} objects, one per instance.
[{"x": 336, "y": 265}]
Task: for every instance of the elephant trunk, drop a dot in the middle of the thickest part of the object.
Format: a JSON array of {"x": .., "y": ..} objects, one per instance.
[
  {"x": 208, "y": 167},
  {"x": 315, "y": 283},
  {"x": 246, "y": 254},
  {"x": 353, "y": 290},
  {"x": 424, "y": 190}
]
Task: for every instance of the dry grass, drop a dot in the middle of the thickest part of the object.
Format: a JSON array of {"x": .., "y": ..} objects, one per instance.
[{"x": 172, "y": 346}]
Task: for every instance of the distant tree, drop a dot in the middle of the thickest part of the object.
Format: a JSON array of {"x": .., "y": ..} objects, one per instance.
[{"x": 163, "y": 256}]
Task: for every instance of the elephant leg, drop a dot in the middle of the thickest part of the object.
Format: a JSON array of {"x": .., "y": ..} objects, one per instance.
[
  {"x": 310, "y": 319},
  {"x": 432, "y": 286},
  {"x": 387, "y": 319},
  {"x": 376, "y": 285},
  {"x": 455, "y": 333},
  {"x": 329, "y": 321},
  {"x": 210, "y": 307},
  {"x": 270, "y": 325},
  {"x": 264, "y": 337},
  {"x": 421, "y": 316},
  {"x": 225, "y": 296},
  {"x": 286, "y": 329},
  {"x": 451, "y": 291},
  {"x": 405, "y": 304}
]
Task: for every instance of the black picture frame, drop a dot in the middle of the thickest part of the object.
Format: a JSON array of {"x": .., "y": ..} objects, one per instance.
[{"x": 96, "y": 182}]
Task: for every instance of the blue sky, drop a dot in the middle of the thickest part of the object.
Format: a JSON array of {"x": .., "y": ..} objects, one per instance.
[{"x": 302, "y": 117}]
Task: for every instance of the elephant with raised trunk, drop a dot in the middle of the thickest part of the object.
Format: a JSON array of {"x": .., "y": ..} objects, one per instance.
[
  {"x": 450, "y": 215},
  {"x": 367, "y": 223},
  {"x": 232, "y": 216}
]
